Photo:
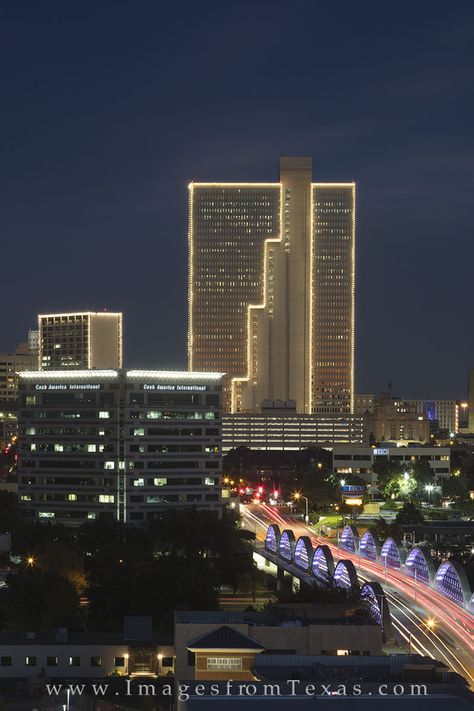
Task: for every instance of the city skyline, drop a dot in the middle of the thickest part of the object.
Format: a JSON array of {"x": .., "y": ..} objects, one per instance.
[{"x": 95, "y": 180}]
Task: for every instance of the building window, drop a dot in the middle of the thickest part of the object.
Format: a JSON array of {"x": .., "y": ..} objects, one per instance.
[
  {"x": 74, "y": 661},
  {"x": 119, "y": 661},
  {"x": 209, "y": 481},
  {"x": 52, "y": 661},
  {"x": 106, "y": 498},
  {"x": 160, "y": 481},
  {"x": 5, "y": 661},
  {"x": 104, "y": 415},
  {"x": 92, "y": 448},
  {"x": 109, "y": 465},
  {"x": 96, "y": 661},
  {"x": 224, "y": 663},
  {"x": 167, "y": 662},
  {"x": 138, "y": 432},
  {"x": 30, "y": 661}
]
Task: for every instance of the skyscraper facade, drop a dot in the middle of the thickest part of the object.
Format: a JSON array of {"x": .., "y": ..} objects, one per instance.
[
  {"x": 80, "y": 340},
  {"x": 271, "y": 289}
]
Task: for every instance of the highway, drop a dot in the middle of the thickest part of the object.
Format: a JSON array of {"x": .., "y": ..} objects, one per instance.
[{"x": 413, "y": 605}]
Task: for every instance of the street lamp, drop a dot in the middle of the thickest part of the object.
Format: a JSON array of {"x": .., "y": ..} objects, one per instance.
[
  {"x": 429, "y": 488},
  {"x": 297, "y": 496}
]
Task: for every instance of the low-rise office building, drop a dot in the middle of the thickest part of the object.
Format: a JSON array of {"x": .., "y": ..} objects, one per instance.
[
  {"x": 360, "y": 460},
  {"x": 119, "y": 444},
  {"x": 80, "y": 655},
  {"x": 210, "y": 645},
  {"x": 290, "y": 431}
]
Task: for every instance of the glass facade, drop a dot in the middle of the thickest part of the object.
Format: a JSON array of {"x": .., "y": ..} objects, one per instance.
[{"x": 76, "y": 464}]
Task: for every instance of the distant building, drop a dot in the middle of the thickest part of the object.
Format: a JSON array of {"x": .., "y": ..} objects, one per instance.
[
  {"x": 470, "y": 401},
  {"x": 274, "y": 430},
  {"x": 118, "y": 444},
  {"x": 396, "y": 421},
  {"x": 222, "y": 645},
  {"x": 444, "y": 412},
  {"x": 22, "y": 358},
  {"x": 271, "y": 289},
  {"x": 82, "y": 655},
  {"x": 80, "y": 340},
  {"x": 364, "y": 404},
  {"x": 360, "y": 460}
]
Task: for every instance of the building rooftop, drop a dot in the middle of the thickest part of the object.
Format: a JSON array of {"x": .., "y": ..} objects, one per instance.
[{"x": 224, "y": 638}]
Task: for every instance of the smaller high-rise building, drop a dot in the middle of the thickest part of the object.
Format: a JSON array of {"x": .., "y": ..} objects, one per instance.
[
  {"x": 80, "y": 340},
  {"x": 22, "y": 358},
  {"x": 395, "y": 421}
]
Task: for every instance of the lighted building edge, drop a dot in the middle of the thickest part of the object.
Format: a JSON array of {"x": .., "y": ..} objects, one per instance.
[{"x": 271, "y": 289}]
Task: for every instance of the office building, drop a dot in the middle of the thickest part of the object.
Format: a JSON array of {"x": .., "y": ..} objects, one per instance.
[
  {"x": 118, "y": 444},
  {"x": 364, "y": 404},
  {"x": 360, "y": 460},
  {"x": 71, "y": 654},
  {"x": 394, "y": 420},
  {"x": 80, "y": 340},
  {"x": 22, "y": 358},
  {"x": 271, "y": 289},
  {"x": 444, "y": 413},
  {"x": 219, "y": 645},
  {"x": 290, "y": 431}
]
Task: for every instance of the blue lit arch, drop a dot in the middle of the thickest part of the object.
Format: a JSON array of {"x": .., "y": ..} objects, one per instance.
[
  {"x": 272, "y": 539},
  {"x": 345, "y": 575},
  {"x": 392, "y": 554},
  {"x": 322, "y": 566},
  {"x": 286, "y": 546},
  {"x": 420, "y": 565},
  {"x": 373, "y": 596},
  {"x": 303, "y": 553},
  {"x": 451, "y": 581},
  {"x": 349, "y": 539},
  {"x": 369, "y": 545}
]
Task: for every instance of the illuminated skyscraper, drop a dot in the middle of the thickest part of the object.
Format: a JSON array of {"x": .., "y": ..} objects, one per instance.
[
  {"x": 80, "y": 340},
  {"x": 271, "y": 289}
]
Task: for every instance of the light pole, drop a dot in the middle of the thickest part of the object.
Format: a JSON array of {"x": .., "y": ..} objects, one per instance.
[
  {"x": 429, "y": 488},
  {"x": 385, "y": 565},
  {"x": 297, "y": 496}
]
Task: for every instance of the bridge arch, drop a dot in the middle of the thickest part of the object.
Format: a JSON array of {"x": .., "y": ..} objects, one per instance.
[
  {"x": 392, "y": 553},
  {"x": 322, "y": 566},
  {"x": 272, "y": 539},
  {"x": 451, "y": 581},
  {"x": 345, "y": 575},
  {"x": 286, "y": 546},
  {"x": 349, "y": 539},
  {"x": 303, "y": 555},
  {"x": 369, "y": 545},
  {"x": 373, "y": 595},
  {"x": 420, "y": 565}
]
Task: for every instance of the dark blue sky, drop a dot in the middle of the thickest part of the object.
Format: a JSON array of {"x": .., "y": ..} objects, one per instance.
[{"x": 108, "y": 110}]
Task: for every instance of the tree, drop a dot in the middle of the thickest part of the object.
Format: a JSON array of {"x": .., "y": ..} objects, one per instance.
[
  {"x": 66, "y": 561},
  {"x": 410, "y": 513},
  {"x": 40, "y": 601}
]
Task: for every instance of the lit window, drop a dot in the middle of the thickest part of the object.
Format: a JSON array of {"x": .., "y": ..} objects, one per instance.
[
  {"x": 139, "y": 482},
  {"x": 46, "y": 514},
  {"x": 92, "y": 448},
  {"x": 91, "y": 516},
  {"x": 224, "y": 663},
  {"x": 209, "y": 481},
  {"x": 104, "y": 415},
  {"x": 72, "y": 497},
  {"x": 59, "y": 448},
  {"x": 160, "y": 481},
  {"x": 106, "y": 498},
  {"x": 138, "y": 432},
  {"x": 109, "y": 465}
]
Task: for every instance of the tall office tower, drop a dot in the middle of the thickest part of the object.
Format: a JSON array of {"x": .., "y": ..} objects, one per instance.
[
  {"x": 80, "y": 340},
  {"x": 271, "y": 289},
  {"x": 10, "y": 364}
]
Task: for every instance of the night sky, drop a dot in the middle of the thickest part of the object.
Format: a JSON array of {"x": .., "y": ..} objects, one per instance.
[{"x": 109, "y": 109}]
